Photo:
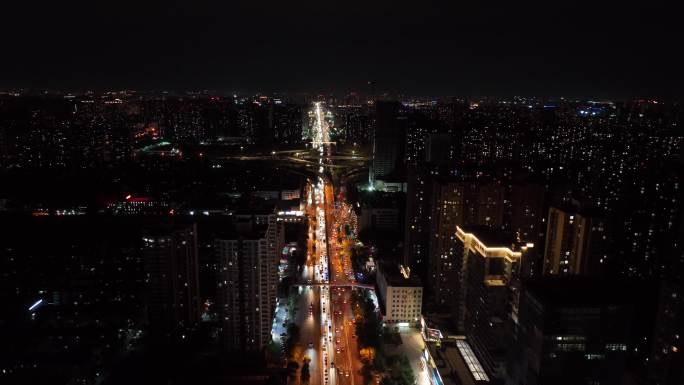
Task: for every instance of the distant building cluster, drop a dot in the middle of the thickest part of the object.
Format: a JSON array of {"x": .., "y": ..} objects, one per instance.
[
  {"x": 508, "y": 201},
  {"x": 114, "y": 128},
  {"x": 533, "y": 241}
]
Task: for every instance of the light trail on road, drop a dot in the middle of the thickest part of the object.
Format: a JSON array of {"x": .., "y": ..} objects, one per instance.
[{"x": 325, "y": 261}]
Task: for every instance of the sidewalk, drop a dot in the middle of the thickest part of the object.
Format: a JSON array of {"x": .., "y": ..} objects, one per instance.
[{"x": 412, "y": 347}]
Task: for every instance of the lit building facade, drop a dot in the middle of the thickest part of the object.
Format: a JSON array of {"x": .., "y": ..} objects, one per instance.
[
  {"x": 573, "y": 242},
  {"x": 487, "y": 291},
  {"x": 402, "y": 295},
  {"x": 455, "y": 204},
  {"x": 247, "y": 285}
]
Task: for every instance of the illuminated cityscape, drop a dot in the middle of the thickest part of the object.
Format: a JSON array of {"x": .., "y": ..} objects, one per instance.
[{"x": 349, "y": 194}]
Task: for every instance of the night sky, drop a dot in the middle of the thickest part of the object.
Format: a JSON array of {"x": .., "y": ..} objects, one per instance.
[{"x": 592, "y": 49}]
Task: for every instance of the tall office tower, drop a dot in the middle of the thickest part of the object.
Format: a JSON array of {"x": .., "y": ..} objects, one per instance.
[
  {"x": 439, "y": 148},
  {"x": 524, "y": 217},
  {"x": 448, "y": 208},
  {"x": 457, "y": 203},
  {"x": 387, "y": 140},
  {"x": 572, "y": 331},
  {"x": 575, "y": 242},
  {"x": 486, "y": 291},
  {"x": 666, "y": 362},
  {"x": 667, "y": 353},
  {"x": 418, "y": 127},
  {"x": 171, "y": 268},
  {"x": 248, "y": 283},
  {"x": 526, "y": 210},
  {"x": 489, "y": 205},
  {"x": 417, "y": 221},
  {"x": 648, "y": 221}
]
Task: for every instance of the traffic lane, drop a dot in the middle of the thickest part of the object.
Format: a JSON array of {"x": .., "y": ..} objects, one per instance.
[
  {"x": 342, "y": 363},
  {"x": 354, "y": 342},
  {"x": 348, "y": 334},
  {"x": 309, "y": 327}
]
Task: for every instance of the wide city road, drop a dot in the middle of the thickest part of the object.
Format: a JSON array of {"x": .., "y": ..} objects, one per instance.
[
  {"x": 326, "y": 318},
  {"x": 314, "y": 320},
  {"x": 341, "y": 230}
]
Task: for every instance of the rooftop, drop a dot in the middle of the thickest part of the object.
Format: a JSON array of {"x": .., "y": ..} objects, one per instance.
[
  {"x": 457, "y": 363},
  {"x": 399, "y": 276},
  {"x": 491, "y": 237}
]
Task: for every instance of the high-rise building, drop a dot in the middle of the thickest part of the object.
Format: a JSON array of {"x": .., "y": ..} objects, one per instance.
[
  {"x": 667, "y": 356},
  {"x": 486, "y": 291},
  {"x": 439, "y": 147},
  {"x": 379, "y": 218},
  {"x": 526, "y": 210},
  {"x": 437, "y": 201},
  {"x": 489, "y": 204},
  {"x": 572, "y": 331},
  {"x": 574, "y": 242},
  {"x": 524, "y": 217},
  {"x": 457, "y": 203},
  {"x": 387, "y": 140},
  {"x": 447, "y": 212},
  {"x": 248, "y": 282},
  {"x": 171, "y": 268},
  {"x": 417, "y": 221}
]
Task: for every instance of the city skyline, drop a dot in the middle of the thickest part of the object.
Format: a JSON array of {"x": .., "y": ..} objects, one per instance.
[{"x": 357, "y": 193}]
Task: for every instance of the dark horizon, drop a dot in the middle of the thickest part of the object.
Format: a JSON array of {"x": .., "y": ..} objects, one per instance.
[
  {"x": 305, "y": 96},
  {"x": 579, "y": 50}
]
